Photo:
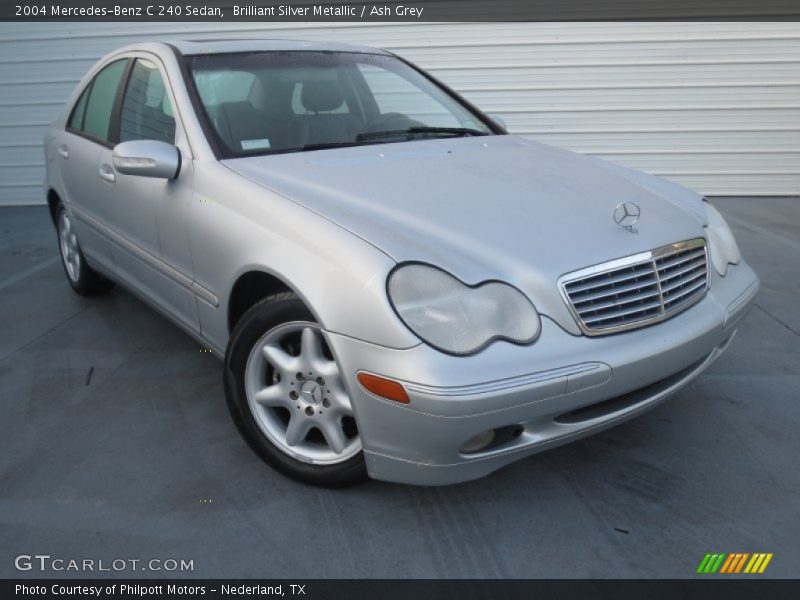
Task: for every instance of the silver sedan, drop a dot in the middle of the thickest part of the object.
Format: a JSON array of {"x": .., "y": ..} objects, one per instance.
[{"x": 398, "y": 288}]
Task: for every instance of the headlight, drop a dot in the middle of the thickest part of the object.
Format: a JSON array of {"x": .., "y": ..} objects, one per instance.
[
  {"x": 721, "y": 244},
  {"x": 455, "y": 317}
]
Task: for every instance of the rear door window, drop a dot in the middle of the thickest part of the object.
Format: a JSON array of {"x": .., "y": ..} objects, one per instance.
[
  {"x": 100, "y": 103},
  {"x": 76, "y": 120}
]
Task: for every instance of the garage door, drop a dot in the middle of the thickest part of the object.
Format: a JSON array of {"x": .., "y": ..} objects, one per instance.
[{"x": 715, "y": 106}]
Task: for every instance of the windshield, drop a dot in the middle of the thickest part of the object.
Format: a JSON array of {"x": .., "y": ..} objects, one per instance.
[{"x": 266, "y": 102}]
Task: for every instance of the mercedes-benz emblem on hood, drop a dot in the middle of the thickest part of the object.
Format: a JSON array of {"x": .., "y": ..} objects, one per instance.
[{"x": 626, "y": 215}]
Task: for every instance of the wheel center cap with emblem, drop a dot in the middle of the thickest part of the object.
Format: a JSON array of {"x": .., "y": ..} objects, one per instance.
[
  {"x": 311, "y": 392},
  {"x": 626, "y": 215}
]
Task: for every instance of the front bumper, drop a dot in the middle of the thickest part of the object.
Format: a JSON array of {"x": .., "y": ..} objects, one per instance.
[{"x": 558, "y": 389}]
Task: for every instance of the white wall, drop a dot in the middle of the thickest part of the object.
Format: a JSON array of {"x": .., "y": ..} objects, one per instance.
[{"x": 715, "y": 106}]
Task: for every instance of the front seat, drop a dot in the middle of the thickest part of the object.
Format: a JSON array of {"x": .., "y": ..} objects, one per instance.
[
  {"x": 320, "y": 125},
  {"x": 244, "y": 127}
]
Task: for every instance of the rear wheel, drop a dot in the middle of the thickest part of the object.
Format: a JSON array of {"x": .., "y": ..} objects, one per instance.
[
  {"x": 83, "y": 279},
  {"x": 286, "y": 393}
]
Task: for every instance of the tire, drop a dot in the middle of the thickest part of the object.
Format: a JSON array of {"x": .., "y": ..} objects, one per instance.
[
  {"x": 83, "y": 279},
  {"x": 290, "y": 403}
]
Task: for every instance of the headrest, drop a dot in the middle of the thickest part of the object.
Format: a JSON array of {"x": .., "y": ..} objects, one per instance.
[
  {"x": 320, "y": 96},
  {"x": 239, "y": 112}
]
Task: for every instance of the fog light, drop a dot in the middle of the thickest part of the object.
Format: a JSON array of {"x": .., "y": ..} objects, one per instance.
[{"x": 478, "y": 443}]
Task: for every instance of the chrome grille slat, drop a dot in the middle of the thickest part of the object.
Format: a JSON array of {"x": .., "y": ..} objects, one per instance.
[
  {"x": 616, "y": 291},
  {"x": 692, "y": 267},
  {"x": 620, "y": 301},
  {"x": 679, "y": 259},
  {"x": 612, "y": 322},
  {"x": 637, "y": 290},
  {"x": 677, "y": 297},
  {"x": 646, "y": 270},
  {"x": 682, "y": 281},
  {"x": 623, "y": 313}
]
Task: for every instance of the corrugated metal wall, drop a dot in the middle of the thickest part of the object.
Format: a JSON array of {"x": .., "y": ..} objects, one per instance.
[{"x": 715, "y": 106}]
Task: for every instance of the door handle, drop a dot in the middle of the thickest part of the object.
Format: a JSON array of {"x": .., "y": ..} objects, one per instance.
[
  {"x": 107, "y": 173},
  {"x": 63, "y": 151}
]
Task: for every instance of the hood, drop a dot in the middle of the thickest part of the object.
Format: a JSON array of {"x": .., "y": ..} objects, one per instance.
[{"x": 489, "y": 207}]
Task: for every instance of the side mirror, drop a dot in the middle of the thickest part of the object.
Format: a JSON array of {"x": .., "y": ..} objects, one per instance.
[
  {"x": 499, "y": 121},
  {"x": 147, "y": 158}
]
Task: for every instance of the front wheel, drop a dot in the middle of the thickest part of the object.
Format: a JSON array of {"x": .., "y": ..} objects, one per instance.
[{"x": 287, "y": 395}]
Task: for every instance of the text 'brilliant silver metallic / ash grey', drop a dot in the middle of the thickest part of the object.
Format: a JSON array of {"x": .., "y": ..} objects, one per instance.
[{"x": 399, "y": 288}]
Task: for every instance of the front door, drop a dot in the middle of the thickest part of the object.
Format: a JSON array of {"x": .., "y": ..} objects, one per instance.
[{"x": 151, "y": 216}]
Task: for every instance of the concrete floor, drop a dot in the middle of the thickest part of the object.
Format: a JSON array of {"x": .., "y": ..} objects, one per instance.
[{"x": 144, "y": 462}]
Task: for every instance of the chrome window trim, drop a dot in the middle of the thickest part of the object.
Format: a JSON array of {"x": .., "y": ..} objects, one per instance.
[{"x": 640, "y": 258}]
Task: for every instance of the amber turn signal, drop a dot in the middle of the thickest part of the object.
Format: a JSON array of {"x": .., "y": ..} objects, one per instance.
[{"x": 385, "y": 388}]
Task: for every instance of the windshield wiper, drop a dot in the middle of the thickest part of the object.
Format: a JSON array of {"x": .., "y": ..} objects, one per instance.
[
  {"x": 324, "y": 145},
  {"x": 456, "y": 131},
  {"x": 365, "y": 137}
]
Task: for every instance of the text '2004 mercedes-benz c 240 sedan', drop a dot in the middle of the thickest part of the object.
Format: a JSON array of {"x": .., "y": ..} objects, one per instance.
[{"x": 398, "y": 287}]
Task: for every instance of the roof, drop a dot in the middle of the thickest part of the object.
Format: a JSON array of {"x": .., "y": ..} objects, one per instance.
[{"x": 253, "y": 45}]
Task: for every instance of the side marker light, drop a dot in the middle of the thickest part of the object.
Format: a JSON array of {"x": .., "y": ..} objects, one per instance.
[{"x": 384, "y": 388}]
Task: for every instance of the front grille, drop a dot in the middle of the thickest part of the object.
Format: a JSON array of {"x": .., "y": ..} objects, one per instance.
[{"x": 637, "y": 290}]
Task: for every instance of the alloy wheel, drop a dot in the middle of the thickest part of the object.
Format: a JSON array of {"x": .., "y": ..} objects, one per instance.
[
  {"x": 297, "y": 395},
  {"x": 70, "y": 252}
]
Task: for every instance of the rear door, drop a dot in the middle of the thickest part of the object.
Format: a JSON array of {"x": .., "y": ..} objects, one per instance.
[{"x": 87, "y": 135}]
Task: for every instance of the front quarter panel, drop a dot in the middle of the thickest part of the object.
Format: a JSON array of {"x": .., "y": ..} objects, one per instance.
[{"x": 239, "y": 226}]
